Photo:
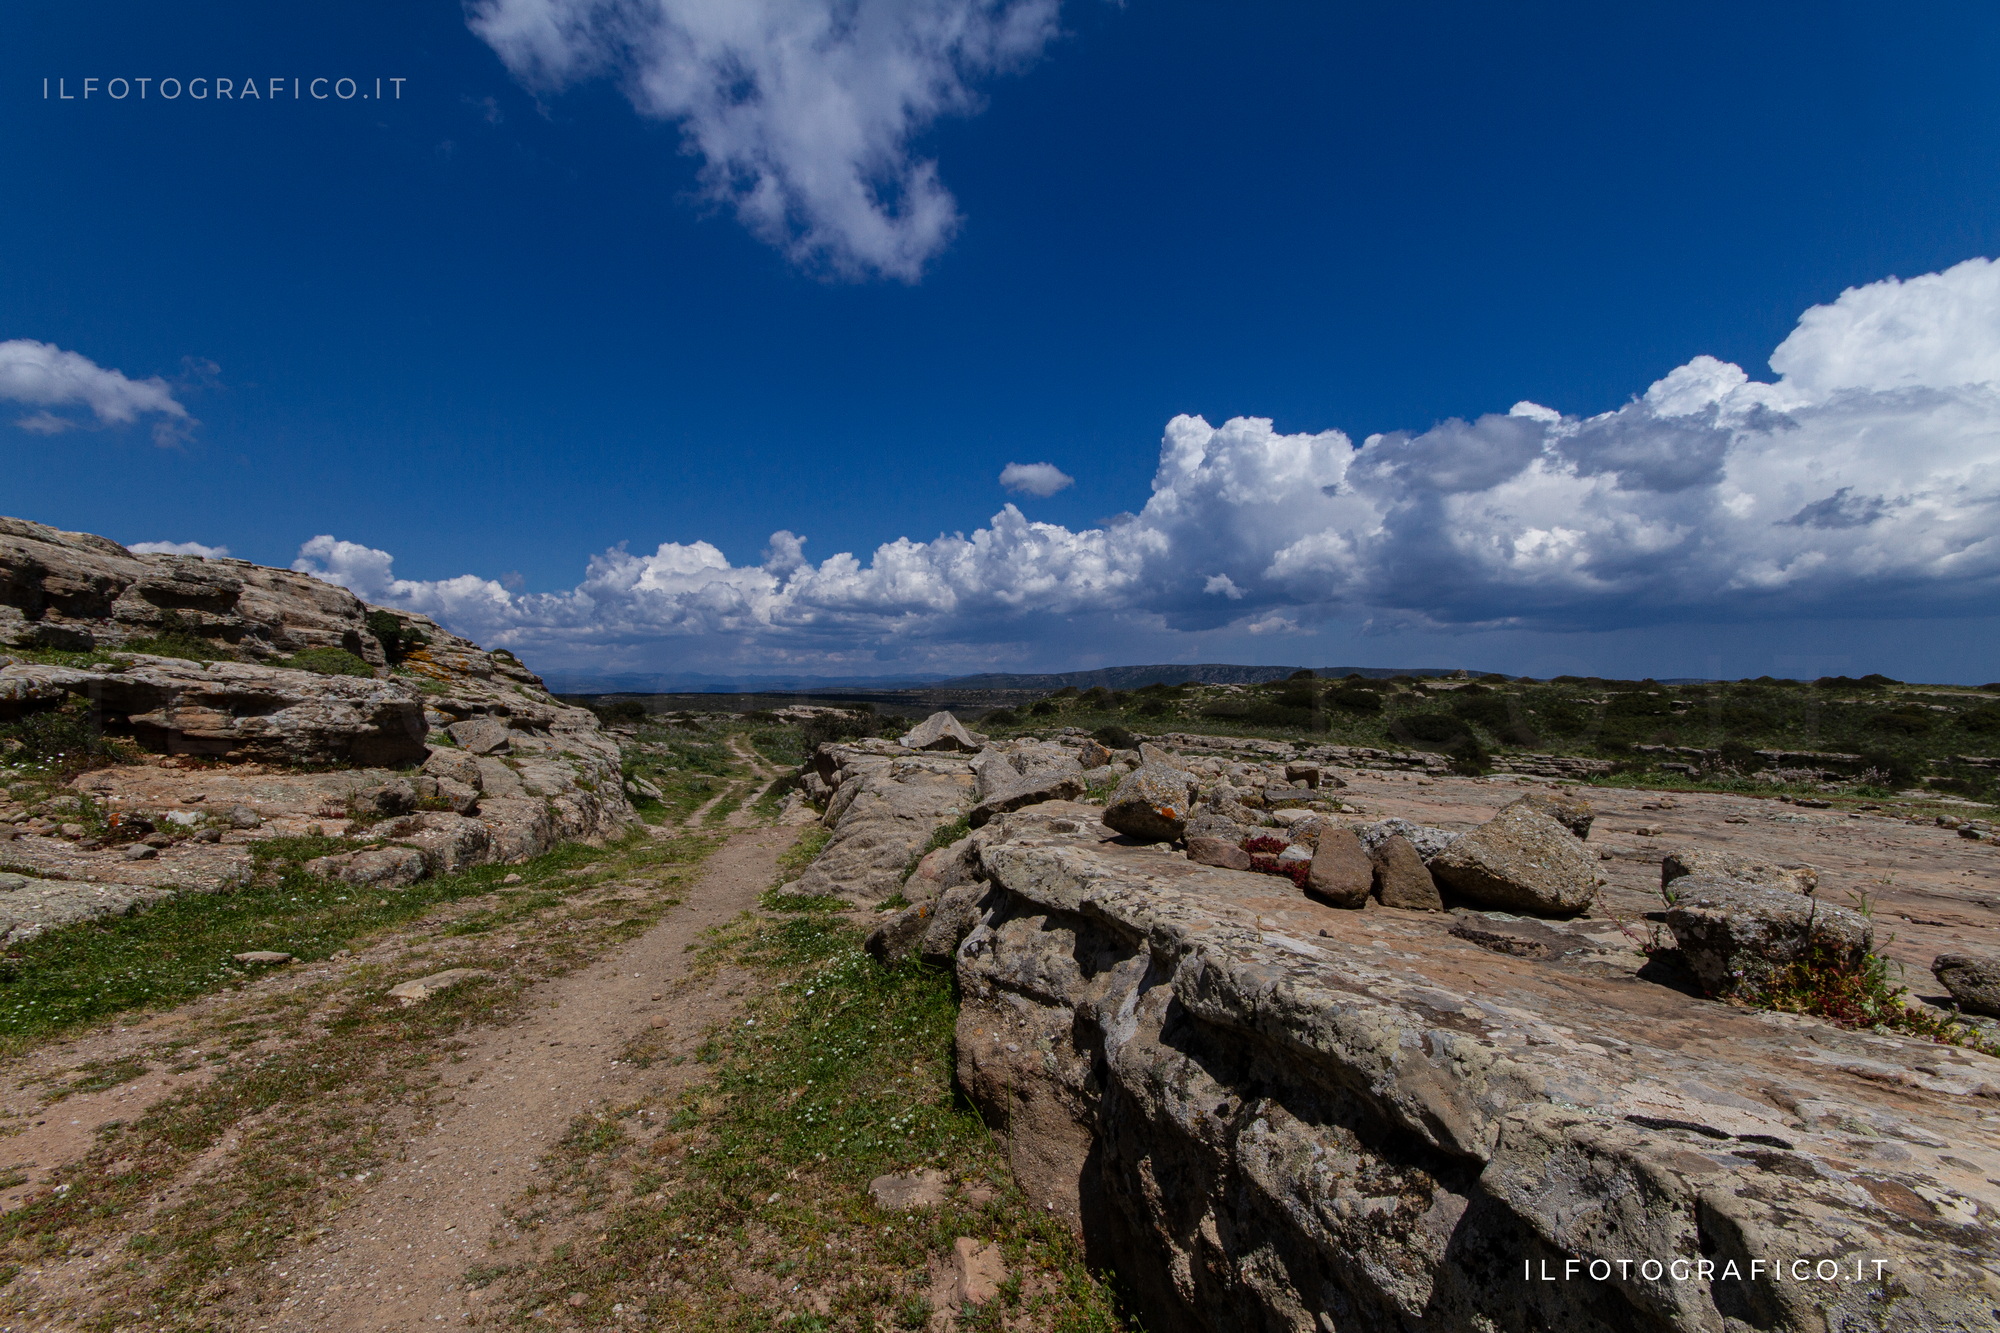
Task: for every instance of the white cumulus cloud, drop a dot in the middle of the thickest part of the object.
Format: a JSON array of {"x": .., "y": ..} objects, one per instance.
[
  {"x": 802, "y": 111},
  {"x": 1043, "y": 479},
  {"x": 177, "y": 548},
  {"x": 1863, "y": 481},
  {"x": 42, "y": 375}
]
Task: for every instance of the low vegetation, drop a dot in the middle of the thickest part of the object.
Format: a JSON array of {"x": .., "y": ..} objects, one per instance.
[
  {"x": 1870, "y": 735},
  {"x": 315, "y": 1084}
]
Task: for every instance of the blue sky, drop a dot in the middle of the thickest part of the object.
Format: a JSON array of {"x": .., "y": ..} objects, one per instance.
[{"x": 505, "y": 324}]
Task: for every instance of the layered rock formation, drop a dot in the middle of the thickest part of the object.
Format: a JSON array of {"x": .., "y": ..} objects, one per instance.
[
  {"x": 446, "y": 756},
  {"x": 1268, "y": 1113}
]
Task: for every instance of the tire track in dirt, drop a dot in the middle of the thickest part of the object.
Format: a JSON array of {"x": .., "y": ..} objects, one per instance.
[{"x": 397, "y": 1258}]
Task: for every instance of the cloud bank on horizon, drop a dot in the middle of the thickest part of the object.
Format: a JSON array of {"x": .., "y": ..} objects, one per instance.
[
  {"x": 802, "y": 111},
  {"x": 1863, "y": 481},
  {"x": 70, "y": 390}
]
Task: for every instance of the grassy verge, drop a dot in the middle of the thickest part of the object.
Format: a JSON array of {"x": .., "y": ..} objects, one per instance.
[
  {"x": 744, "y": 1204},
  {"x": 314, "y": 1085}
]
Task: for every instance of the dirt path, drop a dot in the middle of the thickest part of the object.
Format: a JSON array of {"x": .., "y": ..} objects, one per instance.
[{"x": 397, "y": 1258}]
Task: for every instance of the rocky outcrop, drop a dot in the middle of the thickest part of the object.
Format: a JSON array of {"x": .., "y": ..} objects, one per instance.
[
  {"x": 235, "y": 711},
  {"x": 75, "y": 590},
  {"x": 885, "y": 802},
  {"x": 1736, "y": 935},
  {"x": 1269, "y": 1114},
  {"x": 446, "y": 756}
]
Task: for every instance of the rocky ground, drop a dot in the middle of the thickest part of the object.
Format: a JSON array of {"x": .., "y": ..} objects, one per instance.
[{"x": 1270, "y": 1103}]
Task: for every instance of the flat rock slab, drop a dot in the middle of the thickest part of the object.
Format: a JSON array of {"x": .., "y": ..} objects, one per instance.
[
  {"x": 268, "y": 956},
  {"x": 415, "y": 992},
  {"x": 901, "y": 1193}
]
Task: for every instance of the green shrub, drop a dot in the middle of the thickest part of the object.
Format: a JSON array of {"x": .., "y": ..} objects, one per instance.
[
  {"x": 180, "y": 643},
  {"x": 399, "y": 637},
  {"x": 327, "y": 662},
  {"x": 1115, "y": 737}
]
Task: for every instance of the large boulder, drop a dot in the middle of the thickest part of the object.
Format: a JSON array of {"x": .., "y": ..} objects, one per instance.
[
  {"x": 1521, "y": 860},
  {"x": 1729, "y": 865},
  {"x": 1972, "y": 977},
  {"x": 1401, "y": 878},
  {"x": 1341, "y": 873},
  {"x": 1736, "y": 935},
  {"x": 940, "y": 731},
  {"x": 1152, "y": 803}
]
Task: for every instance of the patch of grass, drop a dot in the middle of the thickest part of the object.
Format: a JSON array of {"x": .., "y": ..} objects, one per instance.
[
  {"x": 182, "y": 948},
  {"x": 750, "y": 1209}
]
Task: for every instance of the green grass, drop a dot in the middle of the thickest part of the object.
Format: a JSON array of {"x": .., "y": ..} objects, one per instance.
[
  {"x": 182, "y": 948},
  {"x": 840, "y": 1071}
]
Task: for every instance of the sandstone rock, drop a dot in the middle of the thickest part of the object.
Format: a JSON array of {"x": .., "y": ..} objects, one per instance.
[
  {"x": 382, "y": 868},
  {"x": 1291, "y": 818},
  {"x": 1735, "y": 935},
  {"x": 1308, "y": 773},
  {"x": 232, "y": 710},
  {"x": 1520, "y": 860},
  {"x": 1212, "y": 823},
  {"x": 264, "y": 956},
  {"x": 139, "y": 851},
  {"x": 1401, "y": 879},
  {"x": 1341, "y": 873},
  {"x": 390, "y": 798},
  {"x": 454, "y": 766},
  {"x": 939, "y": 731},
  {"x": 1699, "y": 861},
  {"x": 1153, "y": 803},
  {"x": 1288, "y": 798},
  {"x": 1217, "y": 852},
  {"x": 1262, "y": 1111},
  {"x": 1092, "y": 754},
  {"x": 482, "y": 735},
  {"x": 1973, "y": 978},
  {"x": 1429, "y": 842},
  {"x": 902, "y": 1193},
  {"x": 897, "y": 937},
  {"x": 956, "y": 913},
  {"x": 978, "y": 1271},
  {"x": 1573, "y": 812},
  {"x": 883, "y": 811},
  {"x": 421, "y": 989},
  {"x": 242, "y": 816},
  {"x": 1028, "y": 791}
]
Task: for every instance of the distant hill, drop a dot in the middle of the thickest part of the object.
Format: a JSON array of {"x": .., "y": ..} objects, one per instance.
[
  {"x": 1133, "y": 677},
  {"x": 692, "y": 682}
]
